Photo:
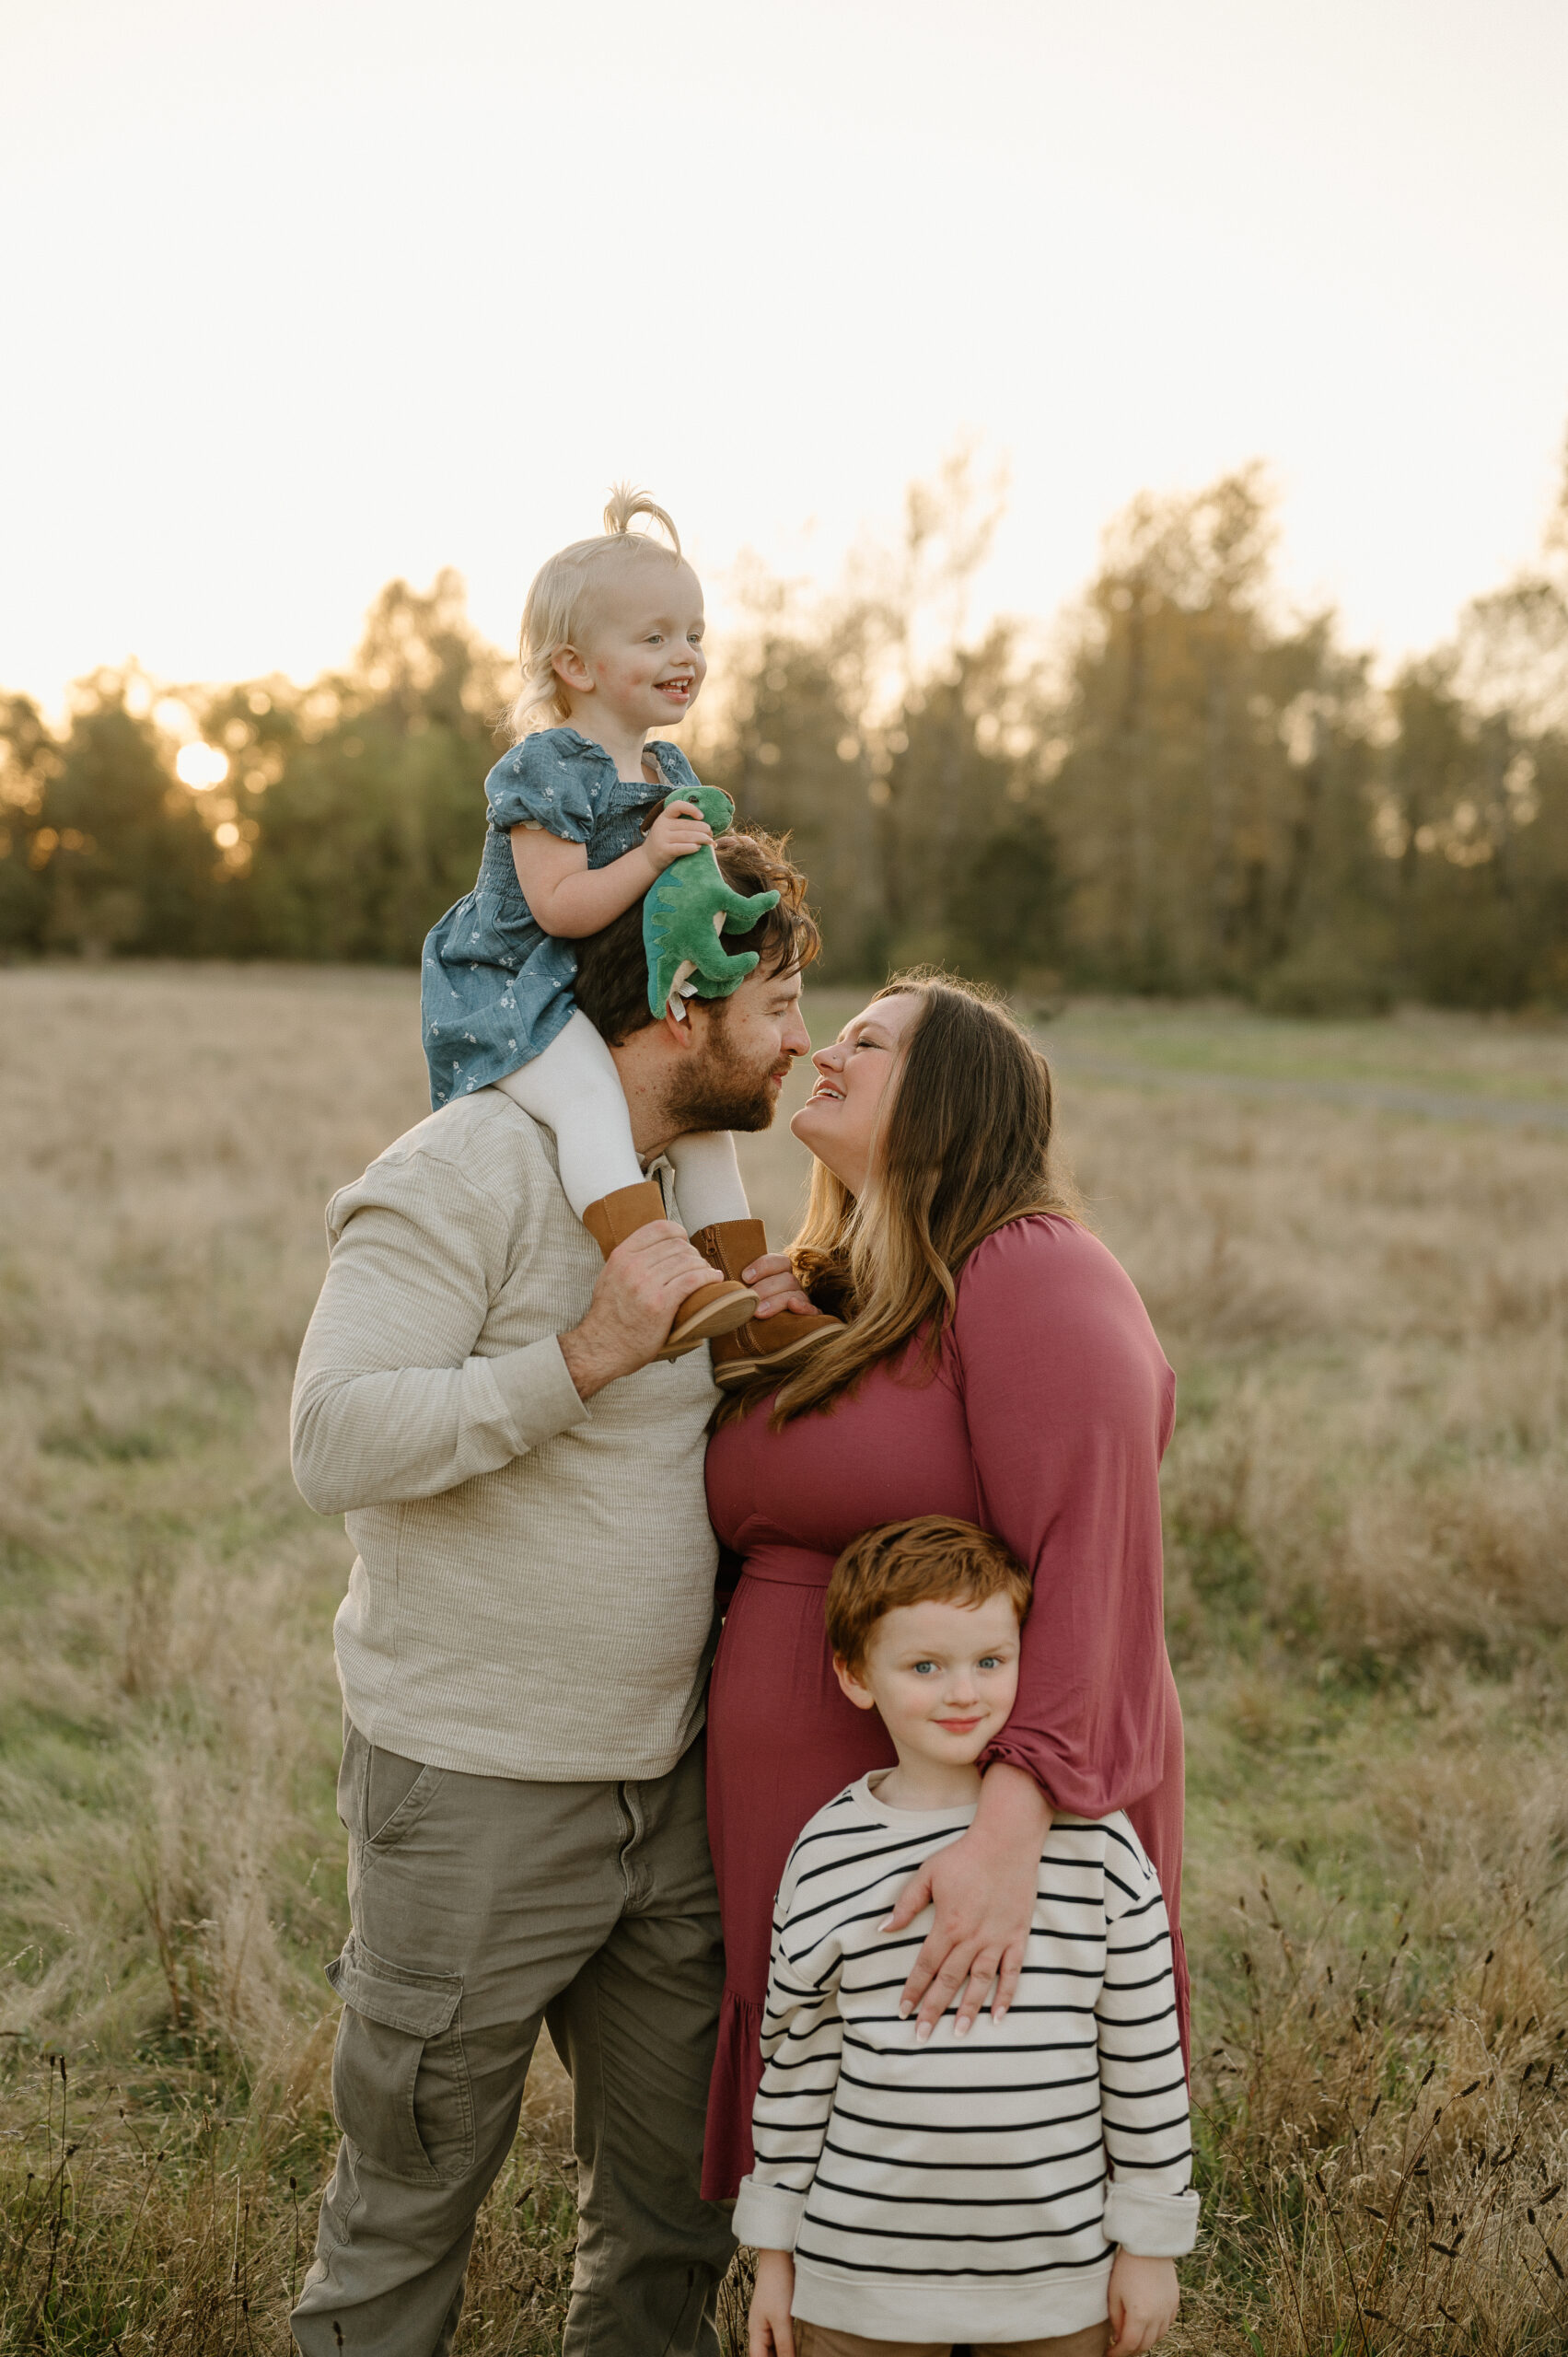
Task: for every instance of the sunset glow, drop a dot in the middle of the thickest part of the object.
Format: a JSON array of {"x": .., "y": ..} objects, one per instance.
[
  {"x": 1129, "y": 248},
  {"x": 201, "y": 767}
]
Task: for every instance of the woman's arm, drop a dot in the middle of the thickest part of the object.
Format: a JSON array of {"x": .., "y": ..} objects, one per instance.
[
  {"x": 1068, "y": 1401},
  {"x": 984, "y": 1890},
  {"x": 571, "y": 899}
]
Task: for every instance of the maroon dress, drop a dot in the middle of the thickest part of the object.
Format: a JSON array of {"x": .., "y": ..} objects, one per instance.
[{"x": 1045, "y": 1421}]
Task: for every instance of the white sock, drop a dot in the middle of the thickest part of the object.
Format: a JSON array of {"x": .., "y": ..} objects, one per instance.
[
  {"x": 575, "y": 1089},
  {"x": 708, "y": 1186}
]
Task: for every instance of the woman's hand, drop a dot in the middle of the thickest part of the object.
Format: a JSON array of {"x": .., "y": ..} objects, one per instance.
[
  {"x": 983, "y": 1887},
  {"x": 679, "y": 829},
  {"x": 776, "y": 1286},
  {"x": 1143, "y": 2297},
  {"x": 769, "y": 2330}
]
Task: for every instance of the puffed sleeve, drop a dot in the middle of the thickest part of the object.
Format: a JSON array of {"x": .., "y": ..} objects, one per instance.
[
  {"x": 552, "y": 781},
  {"x": 1070, "y": 1402},
  {"x": 677, "y": 772}
]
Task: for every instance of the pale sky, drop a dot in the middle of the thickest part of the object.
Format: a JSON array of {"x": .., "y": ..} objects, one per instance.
[{"x": 304, "y": 295}]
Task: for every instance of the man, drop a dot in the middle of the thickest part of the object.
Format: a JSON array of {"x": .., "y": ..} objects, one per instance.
[{"x": 523, "y": 1650}]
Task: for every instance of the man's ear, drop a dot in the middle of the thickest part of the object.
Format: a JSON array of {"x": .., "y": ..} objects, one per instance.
[
  {"x": 683, "y": 1030},
  {"x": 692, "y": 1031},
  {"x": 850, "y": 1687}
]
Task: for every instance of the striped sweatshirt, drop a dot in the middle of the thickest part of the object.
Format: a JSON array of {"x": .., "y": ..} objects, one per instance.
[{"x": 958, "y": 2189}]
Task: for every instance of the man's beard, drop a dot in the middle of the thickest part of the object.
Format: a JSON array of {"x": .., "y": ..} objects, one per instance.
[{"x": 724, "y": 1092}]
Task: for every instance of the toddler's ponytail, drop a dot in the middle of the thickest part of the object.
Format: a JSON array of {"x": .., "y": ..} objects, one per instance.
[
  {"x": 559, "y": 594},
  {"x": 623, "y": 504}
]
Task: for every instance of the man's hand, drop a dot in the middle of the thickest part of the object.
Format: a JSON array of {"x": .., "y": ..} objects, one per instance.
[
  {"x": 983, "y": 1887},
  {"x": 1145, "y": 2296},
  {"x": 770, "y": 2332},
  {"x": 642, "y": 1284},
  {"x": 776, "y": 1286}
]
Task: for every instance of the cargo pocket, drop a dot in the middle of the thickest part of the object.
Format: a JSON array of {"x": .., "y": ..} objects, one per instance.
[{"x": 401, "y": 2088}]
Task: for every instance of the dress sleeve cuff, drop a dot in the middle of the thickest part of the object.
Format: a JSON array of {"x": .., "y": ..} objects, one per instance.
[
  {"x": 1151, "y": 2225},
  {"x": 1010, "y": 1755},
  {"x": 767, "y": 2217},
  {"x": 539, "y": 1398}
]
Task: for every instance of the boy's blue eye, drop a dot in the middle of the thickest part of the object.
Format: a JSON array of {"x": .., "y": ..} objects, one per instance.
[
  {"x": 989, "y": 1661},
  {"x": 922, "y": 1666}
]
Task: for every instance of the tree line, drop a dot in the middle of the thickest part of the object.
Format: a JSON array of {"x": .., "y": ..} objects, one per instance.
[{"x": 1179, "y": 789}]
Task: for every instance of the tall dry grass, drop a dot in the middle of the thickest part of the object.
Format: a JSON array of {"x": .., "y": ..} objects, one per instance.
[
  {"x": 1377, "y": 1313},
  {"x": 1365, "y": 1507},
  {"x": 1367, "y": 1599}
]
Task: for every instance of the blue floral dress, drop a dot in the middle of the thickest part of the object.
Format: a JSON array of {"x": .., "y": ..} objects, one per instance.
[{"x": 495, "y": 989}]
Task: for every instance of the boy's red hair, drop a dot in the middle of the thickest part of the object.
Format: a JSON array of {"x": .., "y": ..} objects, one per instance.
[{"x": 934, "y": 1559}]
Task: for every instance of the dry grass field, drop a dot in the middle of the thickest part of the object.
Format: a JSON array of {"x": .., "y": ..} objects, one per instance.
[{"x": 1367, "y": 1506}]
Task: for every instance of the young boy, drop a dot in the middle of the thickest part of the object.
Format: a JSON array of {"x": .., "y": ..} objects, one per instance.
[{"x": 907, "y": 2195}]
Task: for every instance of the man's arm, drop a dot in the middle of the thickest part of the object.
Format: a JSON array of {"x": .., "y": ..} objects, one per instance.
[{"x": 390, "y": 1402}]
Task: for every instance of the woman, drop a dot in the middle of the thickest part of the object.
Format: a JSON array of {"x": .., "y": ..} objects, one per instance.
[{"x": 1001, "y": 1367}]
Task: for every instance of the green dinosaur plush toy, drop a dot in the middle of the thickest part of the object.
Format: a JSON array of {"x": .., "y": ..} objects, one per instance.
[{"x": 690, "y": 906}]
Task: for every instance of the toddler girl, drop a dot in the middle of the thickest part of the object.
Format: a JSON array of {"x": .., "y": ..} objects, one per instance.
[{"x": 611, "y": 637}]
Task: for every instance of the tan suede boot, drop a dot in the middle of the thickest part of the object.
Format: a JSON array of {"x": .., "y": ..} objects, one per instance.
[
  {"x": 777, "y": 1342},
  {"x": 711, "y": 1310}
]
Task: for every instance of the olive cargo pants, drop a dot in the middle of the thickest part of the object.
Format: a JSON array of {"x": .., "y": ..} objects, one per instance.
[{"x": 483, "y": 1906}]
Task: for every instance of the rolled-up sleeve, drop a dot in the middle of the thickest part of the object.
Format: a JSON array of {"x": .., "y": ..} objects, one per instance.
[
  {"x": 1069, "y": 1402},
  {"x": 390, "y": 1401}
]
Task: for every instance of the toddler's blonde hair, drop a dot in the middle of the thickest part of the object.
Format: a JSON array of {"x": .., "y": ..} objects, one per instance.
[{"x": 558, "y": 597}]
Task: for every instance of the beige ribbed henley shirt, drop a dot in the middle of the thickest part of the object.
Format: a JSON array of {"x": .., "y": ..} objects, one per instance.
[{"x": 533, "y": 1588}]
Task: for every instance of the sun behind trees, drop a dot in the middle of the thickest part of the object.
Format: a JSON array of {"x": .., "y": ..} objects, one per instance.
[{"x": 1185, "y": 791}]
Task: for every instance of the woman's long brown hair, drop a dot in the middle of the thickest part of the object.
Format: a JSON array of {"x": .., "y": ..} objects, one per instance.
[{"x": 963, "y": 1146}]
